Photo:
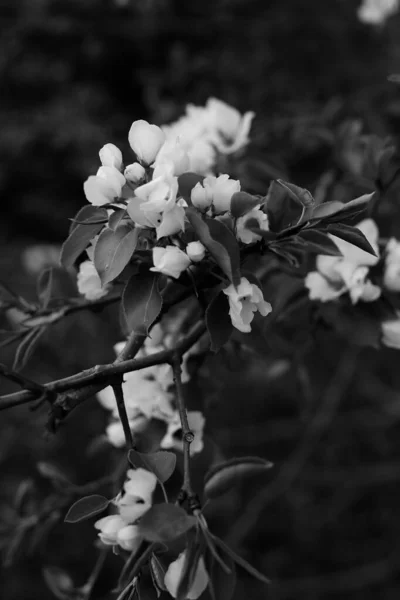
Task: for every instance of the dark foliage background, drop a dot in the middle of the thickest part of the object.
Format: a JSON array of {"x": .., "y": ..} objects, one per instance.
[{"x": 73, "y": 76}]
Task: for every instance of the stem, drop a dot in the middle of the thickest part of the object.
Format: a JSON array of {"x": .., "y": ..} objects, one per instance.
[
  {"x": 119, "y": 397},
  {"x": 187, "y": 434}
]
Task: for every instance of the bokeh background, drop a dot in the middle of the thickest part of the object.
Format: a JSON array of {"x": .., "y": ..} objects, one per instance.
[{"x": 325, "y": 522}]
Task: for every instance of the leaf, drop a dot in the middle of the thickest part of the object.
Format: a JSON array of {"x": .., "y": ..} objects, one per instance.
[
  {"x": 319, "y": 242},
  {"x": 80, "y": 237},
  {"x": 157, "y": 572},
  {"x": 61, "y": 584},
  {"x": 116, "y": 217},
  {"x": 89, "y": 214},
  {"x": 218, "y": 321},
  {"x": 161, "y": 463},
  {"x": 299, "y": 194},
  {"x": 50, "y": 471},
  {"x": 242, "y": 203},
  {"x": 332, "y": 212},
  {"x": 222, "y": 584},
  {"x": 186, "y": 182},
  {"x": 85, "y": 508},
  {"x": 44, "y": 286},
  {"x": 223, "y": 476},
  {"x": 352, "y": 235},
  {"x": 165, "y": 522},
  {"x": 113, "y": 251},
  {"x": 219, "y": 241},
  {"x": 240, "y": 561},
  {"x": 26, "y": 347},
  {"x": 141, "y": 302}
]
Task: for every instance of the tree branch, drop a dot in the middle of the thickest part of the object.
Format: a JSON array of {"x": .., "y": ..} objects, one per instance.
[
  {"x": 119, "y": 397},
  {"x": 187, "y": 434}
]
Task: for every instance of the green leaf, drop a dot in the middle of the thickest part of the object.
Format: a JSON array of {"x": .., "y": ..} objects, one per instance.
[
  {"x": 161, "y": 463},
  {"x": 186, "y": 182},
  {"x": 225, "y": 475},
  {"x": 335, "y": 211},
  {"x": 86, "y": 507},
  {"x": 89, "y": 214},
  {"x": 165, "y": 522},
  {"x": 352, "y": 235},
  {"x": 80, "y": 237},
  {"x": 242, "y": 203},
  {"x": 113, "y": 251},
  {"x": 298, "y": 194},
  {"x": 44, "y": 286},
  {"x": 157, "y": 572},
  {"x": 240, "y": 561},
  {"x": 141, "y": 302},
  {"x": 319, "y": 242},
  {"x": 116, "y": 217},
  {"x": 218, "y": 321},
  {"x": 219, "y": 241}
]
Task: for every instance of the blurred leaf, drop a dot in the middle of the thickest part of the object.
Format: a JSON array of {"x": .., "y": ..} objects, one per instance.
[
  {"x": 61, "y": 584},
  {"x": 86, "y": 507},
  {"x": 26, "y": 347},
  {"x": 81, "y": 235},
  {"x": 165, "y": 522},
  {"x": 114, "y": 250},
  {"x": 44, "y": 286},
  {"x": 141, "y": 302},
  {"x": 52, "y": 472},
  {"x": 218, "y": 321},
  {"x": 242, "y": 203},
  {"x": 161, "y": 463},
  {"x": 225, "y": 475},
  {"x": 219, "y": 241}
]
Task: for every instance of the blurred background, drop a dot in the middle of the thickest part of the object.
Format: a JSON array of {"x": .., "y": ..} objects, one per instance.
[{"x": 73, "y": 76}]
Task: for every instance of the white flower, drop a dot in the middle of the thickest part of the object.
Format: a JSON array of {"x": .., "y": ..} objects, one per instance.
[
  {"x": 140, "y": 484},
  {"x": 174, "y": 574},
  {"x": 222, "y": 189},
  {"x": 244, "y": 301},
  {"x": 245, "y": 235},
  {"x": 375, "y": 12},
  {"x": 173, "y": 152},
  {"x": 139, "y": 217},
  {"x": 391, "y": 333},
  {"x": 202, "y": 157},
  {"x": 173, "y": 221},
  {"x": 130, "y": 508},
  {"x": 201, "y": 197},
  {"x": 170, "y": 261},
  {"x": 104, "y": 187},
  {"x": 391, "y": 276},
  {"x": 233, "y": 127},
  {"x": 109, "y": 527},
  {"x": 134, "y": 172},
  {"x": 111, "y": 156},
  {"x": 158, "y": 195},
  {"x": 173, "y": 436},
  {"x": 129, "y": 538},
  {"x": 195, "y": 251},
  {"x": 88, "y": 282},
  {"x": 145, "y": 140},
  {"x": 337, "y": 275}
]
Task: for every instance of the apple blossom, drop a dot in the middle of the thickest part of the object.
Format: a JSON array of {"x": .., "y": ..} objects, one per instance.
[
  {"x": 174, "y": 574},
  {"x": 230, "y": 124},
  {"x": 145, "y": 140},
  {"x": 391, "y": 333},
  {"x": 109, "y": 527},
  {"x": 222, "y": 189},
  {"x": 129, "y": 538},
  {"x": 375, "y": 12},
  {"x": 134, "y": 172},
  {"x": 141, "y": 484},
  {"x": 88, "y": 282},
  {"x": 195, "y": 251},
  {"x": 173, "y": 221},
  {"x": 244, "y": 301},
  {"x": 111, "y": 156},
  {"x": 246, "y": 235},
  {"x": 201, "y": 197},
  {"x": 170, "y": 261},
  {"x": 173, "y": 152}
]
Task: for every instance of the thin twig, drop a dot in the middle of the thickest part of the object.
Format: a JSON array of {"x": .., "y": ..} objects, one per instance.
[
  {"x": 119, "y": 397},
  {"x": 187, "y": 434}
]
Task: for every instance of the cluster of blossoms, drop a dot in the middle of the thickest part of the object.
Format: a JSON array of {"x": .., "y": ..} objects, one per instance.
[
  {"x": 149, "y": 394},
  {"x": 375, "y": 12},
  {"x": 121, "y": 529},
  {"x": 148, "y": 191}
]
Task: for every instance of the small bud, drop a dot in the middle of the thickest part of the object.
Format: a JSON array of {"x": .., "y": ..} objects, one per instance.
[
  {"x": 134, "y": 173},
  {"x": 146, "y": 140},
  {"x": 201, "y": 198},
  {"x": 111, "y": 156},
  {"x": 195, "y": 251}
]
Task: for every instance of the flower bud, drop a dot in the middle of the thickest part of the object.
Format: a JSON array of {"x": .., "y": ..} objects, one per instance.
[
  {"x": 111, "y": 156},
  {"x": 195, "y": 251},
  {"x": 134, "y": 172},
  {"x": 201, "y": 198},
  {"x": 146, "y": 140},
  {"x": 108, "y": 529},
  {"x": 170, "y": 261}
]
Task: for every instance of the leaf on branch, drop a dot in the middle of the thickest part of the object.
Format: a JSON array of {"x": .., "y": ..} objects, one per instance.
[
  {"x": 186, "y": 182},
  {"x": 81, "y": 234},
  {"x": 242, "y": 203},
  {"x": 141, "y": 302},
  {"x": 352, "y": 235},
  {"x": 319, "y": 242},
  {"x": 157, "y": 573},
  {"x": 44, "y": 286},
  {"x": 218, "y": 321},
  {"x": 223, "y": 476},
  {"x": 114, "y": 250},
  {"x": 219, "y": 241},
  {"x": 89, "y": 215},
  {"x": 335, "y": 211},
  {"x": 241, "y": 562},
  {"x": 297, "y": 193},
  {"x": 26, "y": 347},
  {"x": 165, "y": 522},
  {"x": 54, "y": 473},
  {"x": 87, "y": 507},
  {"x": 161, "y": 463},
  {"x": 116, "y": 217}
]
